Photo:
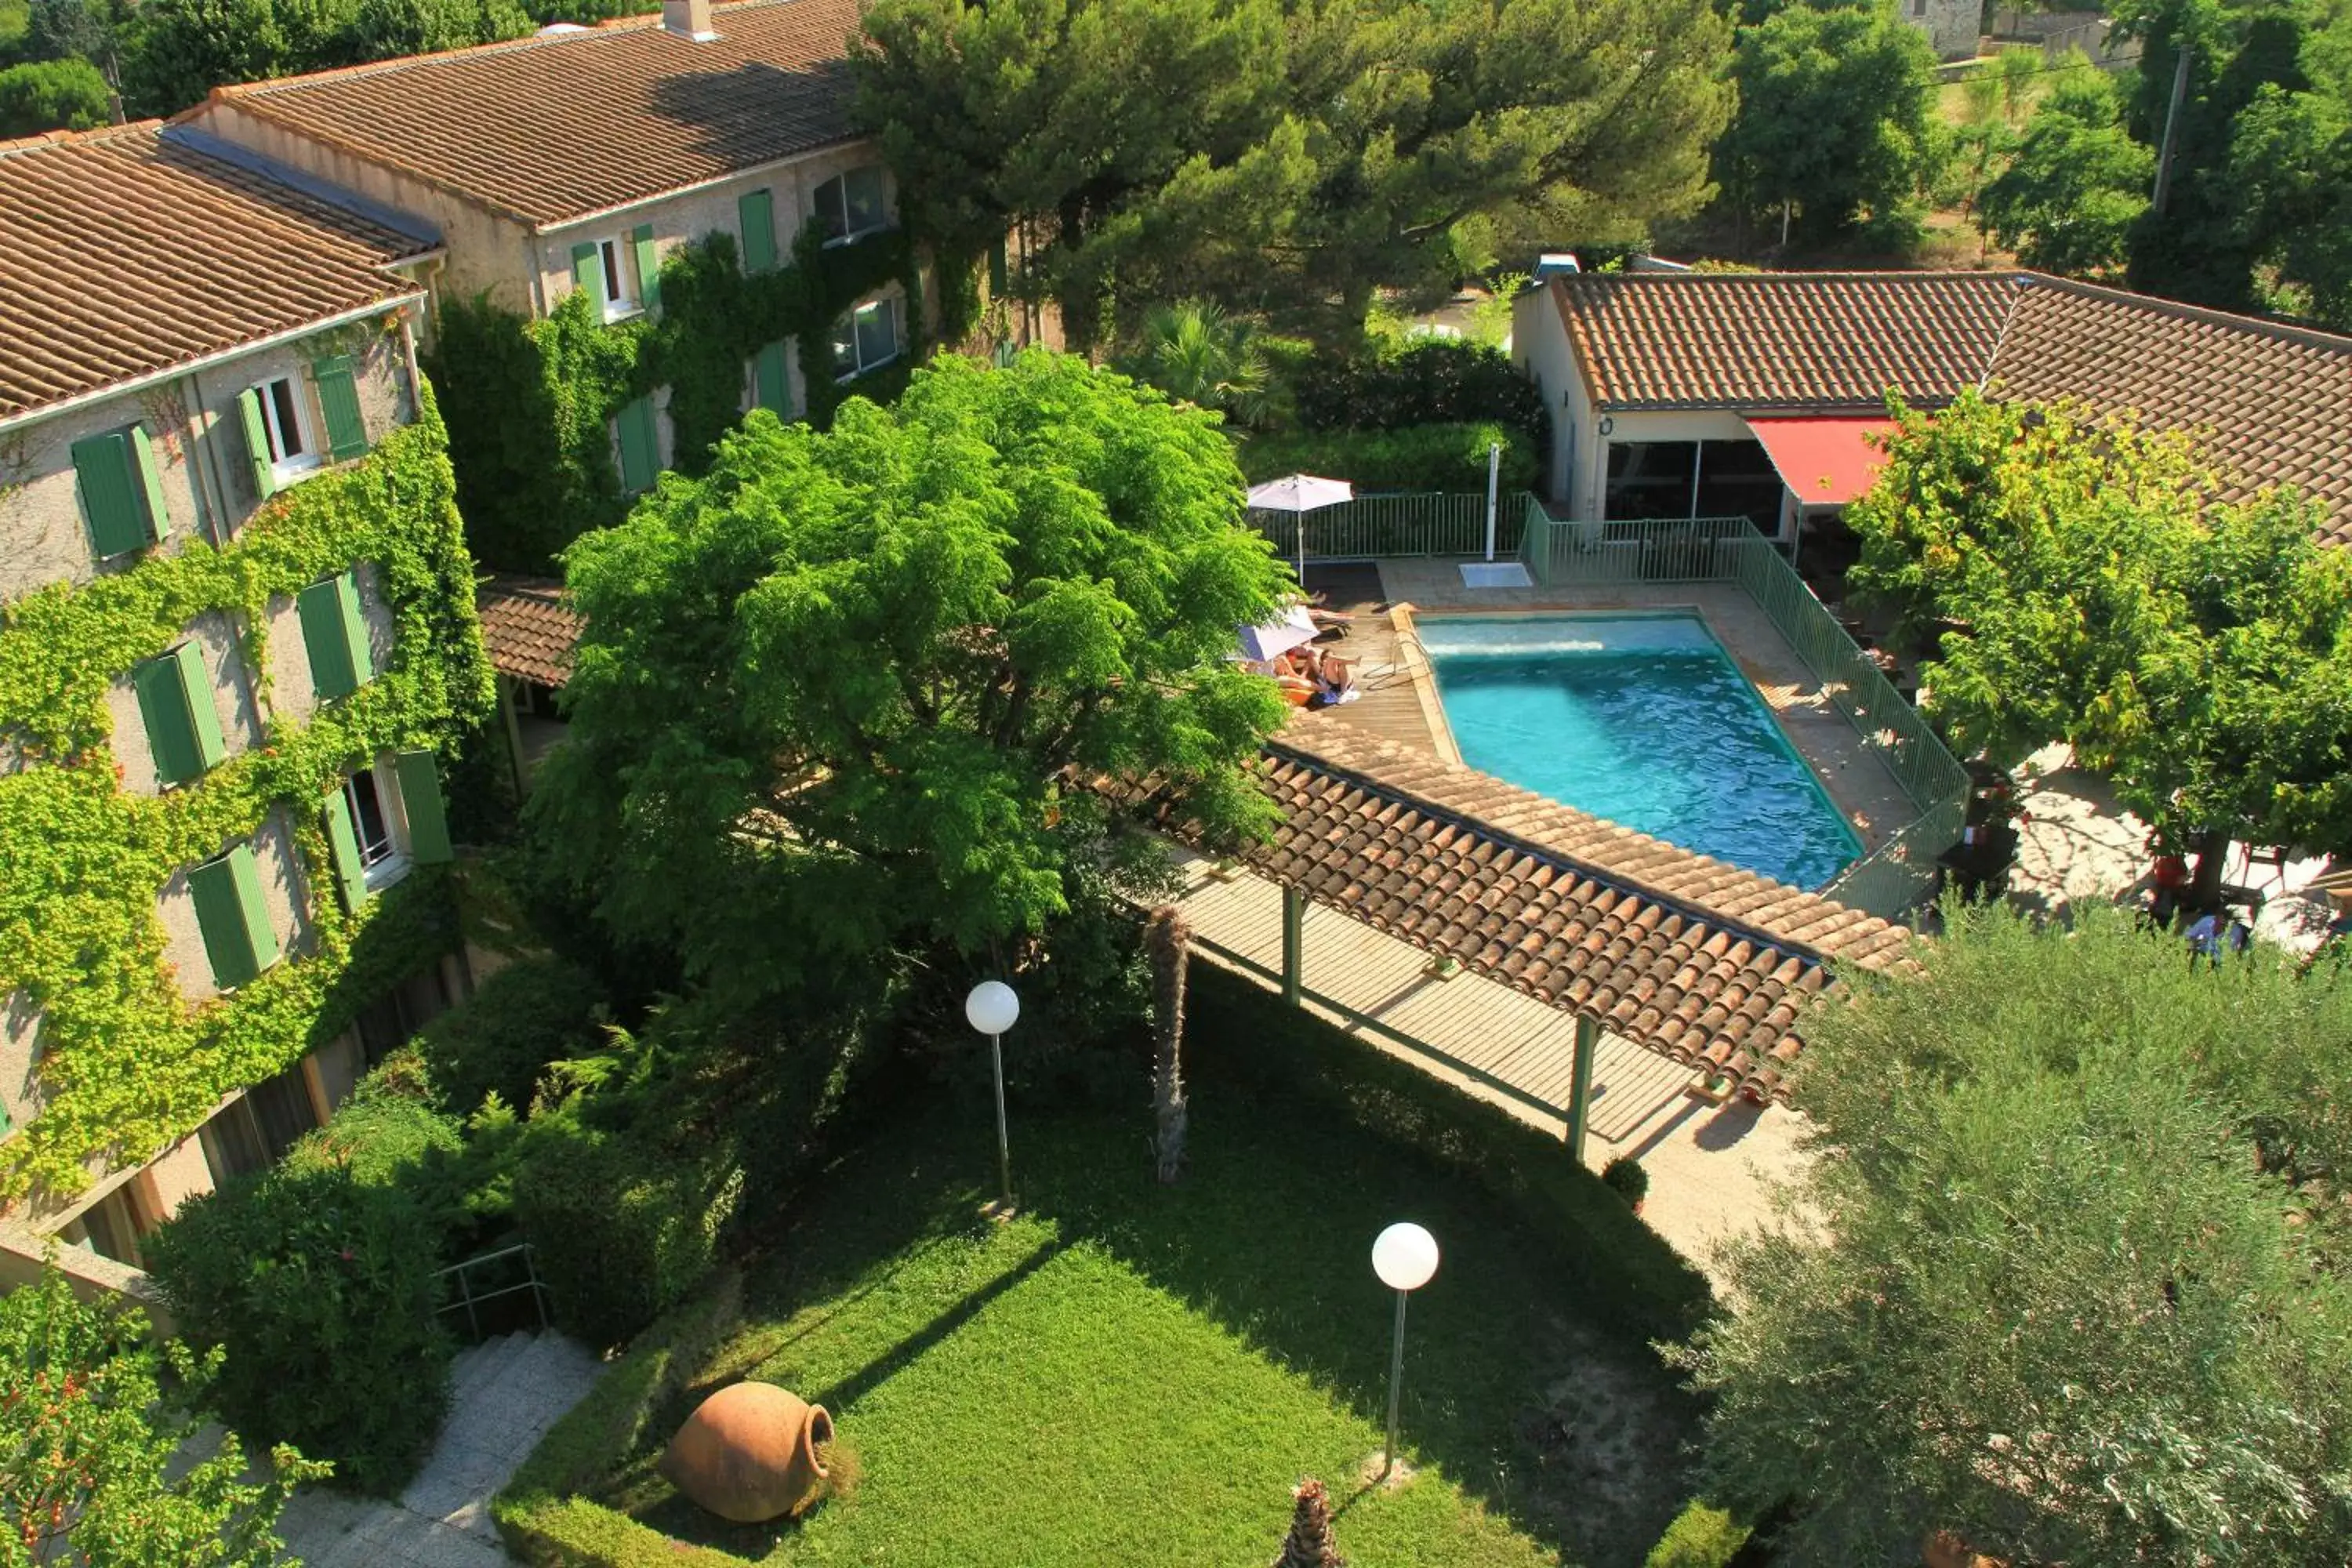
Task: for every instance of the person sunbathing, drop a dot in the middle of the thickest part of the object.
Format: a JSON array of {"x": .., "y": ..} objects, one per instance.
[{"x": 1335, "y": 682}]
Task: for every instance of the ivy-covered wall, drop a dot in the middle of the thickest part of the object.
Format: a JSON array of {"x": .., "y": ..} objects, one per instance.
[
  {"x": 127, "y": 1065},
  {"x": 529, "y": 401}
]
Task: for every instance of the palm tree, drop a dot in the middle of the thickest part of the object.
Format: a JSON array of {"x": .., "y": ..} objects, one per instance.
[
  {"x": 1193, "y": 351},
  {"x": 1168, "y": 940}
]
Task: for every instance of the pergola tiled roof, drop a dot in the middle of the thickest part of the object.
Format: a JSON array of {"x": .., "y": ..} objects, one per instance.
[
  {"x": 1709, "y": 963},
  {"x": 2271, "y": 401},
  {"x": 130, "y": 257},
  {"x": 562, "y": 125},
  {"x": 528, "y": 628}
]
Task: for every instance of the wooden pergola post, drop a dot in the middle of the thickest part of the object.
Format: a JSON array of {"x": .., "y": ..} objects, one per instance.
[
  {"x": 1579, "y": 1093},
  {"x": 1294, "y": 943}
]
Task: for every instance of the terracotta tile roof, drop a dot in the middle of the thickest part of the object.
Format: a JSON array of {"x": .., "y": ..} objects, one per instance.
[
  {"x": 1785, "y": 340},
  {"x": 529, "y": 630},
  {"x": 126, "y": 256},
  {"x": 555, "y": 127},
  {"x": 1702, "y": 961},
  {"x": 2272, "y": 402}
]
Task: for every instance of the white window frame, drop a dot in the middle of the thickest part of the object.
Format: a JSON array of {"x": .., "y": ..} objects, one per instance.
[
  {"x": 614, "y": 254},
  {"x": 310, "y": 460},
  {"x": 384, "y": 867},
  {"x": 840, "y": 184},
  {"x": 861, "y": 365}
]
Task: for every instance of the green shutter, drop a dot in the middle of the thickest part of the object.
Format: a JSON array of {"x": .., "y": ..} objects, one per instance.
[
  {"x": 420, "y": 801},
  {"x": 641, "y": 240},
  {"x": 196, "y": 689},
  {"x": 640, "y": 445},
  {"x": 756, "y": 211},
  {"x": 339, "y": 399},
  {"x": 588, "y": 271},
  {"x": 151, "y": 483},
  {"x": 234, "y": 916},
  {"x": 176, "y": 702},
  {"x": 771, "y": 387},
  {"x": 343, "y": 844},
  {"x": 334, "y": 633},
  {"x": 256, "y": 446},
  {"x": 109, "y": 500}
]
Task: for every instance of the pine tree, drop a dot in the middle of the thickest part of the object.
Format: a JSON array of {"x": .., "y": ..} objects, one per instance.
[
  {"x": 1170, "y": 942},
  {"x": 1309, "y": 1543}
]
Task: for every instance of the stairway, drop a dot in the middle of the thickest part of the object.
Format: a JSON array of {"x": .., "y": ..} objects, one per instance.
[{"x": 504, "y": 1393}]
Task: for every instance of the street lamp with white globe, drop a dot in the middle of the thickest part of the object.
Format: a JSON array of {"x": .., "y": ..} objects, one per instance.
[
  {"x": 1405, "y": 1256},
  {"x": 992, "y": 1008}
]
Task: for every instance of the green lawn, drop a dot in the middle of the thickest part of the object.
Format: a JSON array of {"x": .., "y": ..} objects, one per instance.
[{"x": 1136, "y": 1375}]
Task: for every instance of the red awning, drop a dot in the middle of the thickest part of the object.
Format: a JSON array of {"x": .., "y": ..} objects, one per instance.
[{"x": 1825, "y": 461}]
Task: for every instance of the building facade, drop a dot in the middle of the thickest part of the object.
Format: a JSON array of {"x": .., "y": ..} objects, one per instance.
[{"x": 236, "y": 637}]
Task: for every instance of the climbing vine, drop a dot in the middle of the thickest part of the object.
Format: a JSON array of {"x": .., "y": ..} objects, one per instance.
[
  {"x": 127, "y": 1065},
  {"x": 529, "y": 401}
]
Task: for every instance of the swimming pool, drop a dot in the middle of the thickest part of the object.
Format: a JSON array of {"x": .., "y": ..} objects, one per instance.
[{"x": 1645, "y": 720}]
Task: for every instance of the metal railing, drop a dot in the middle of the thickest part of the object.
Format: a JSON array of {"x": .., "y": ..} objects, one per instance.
[
  {"x": 469, "y": 1301},
  {"x": 1893, "y": 879},
  {"x": 1435, "y": 523}
]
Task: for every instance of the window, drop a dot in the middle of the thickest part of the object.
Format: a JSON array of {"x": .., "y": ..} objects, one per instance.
[
  {"x": 852, "y": 203},
  {"x": 285, "y": 431},
  {"x": 769, "y": 382},
  {"x": 253, "y": 1132},
  {"x": 607, "y": 271},
  {"x": 176, "y": 702},
  {"x": 370, "y": 827},
  {"x": 1650, "y": 478},
  {"x": 636, "y": 439},
  {"x": 234, "y": 916},
  {"x": 335, "y": 636},
  {"x": 865, "y": 337},
  {"x": 755, "y": 217},
  {"x": 120, "y": 490},
  {"x": 381, "y": 820}
]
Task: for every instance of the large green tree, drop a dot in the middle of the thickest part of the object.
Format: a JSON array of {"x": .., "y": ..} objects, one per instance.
[
  {"x": 1836, "y": 124},
  {"x": 2291, "y": 165},
  {"x": 858, "y": 687},
  {"x": 92, "y": 1468},
  {"x": 2091, "y": 586},
  {"x": 2068, "y": 200},
  {"x": 1302, "y": 156},
  {"x": 2078, "y": 1297}
]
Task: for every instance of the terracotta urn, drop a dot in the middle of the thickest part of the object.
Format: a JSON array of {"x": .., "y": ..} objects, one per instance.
[{"x": 750, "y": 1452}]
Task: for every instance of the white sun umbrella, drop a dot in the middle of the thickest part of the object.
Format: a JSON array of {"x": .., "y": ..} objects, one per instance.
[
  {"x": 1301, "y": 493},
  {"x": 1293, "y": 628}
]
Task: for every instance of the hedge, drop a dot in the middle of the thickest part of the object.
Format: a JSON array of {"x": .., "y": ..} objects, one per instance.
[
  {"x": 498, "y": 1040},
  {"x": 619, "y": 1231},
  {"x": 1422, "y": 457},
  {"x": 1433, "y": 381},
  {"x": 1700, "y": 1537},
  {"x": 1248, "y": 1038}
]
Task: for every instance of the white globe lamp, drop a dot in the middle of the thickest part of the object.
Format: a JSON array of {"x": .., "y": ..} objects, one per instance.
[
  {"x": 992, "y": 1008},
  {"x": 1404, "y": 1255}
]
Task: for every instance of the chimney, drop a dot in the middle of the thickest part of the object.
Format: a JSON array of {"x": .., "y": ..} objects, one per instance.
[{"x": 688, "y": 19}]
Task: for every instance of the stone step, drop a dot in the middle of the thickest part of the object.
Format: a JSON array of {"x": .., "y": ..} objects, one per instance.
[{"x": 480, "y": 1365}]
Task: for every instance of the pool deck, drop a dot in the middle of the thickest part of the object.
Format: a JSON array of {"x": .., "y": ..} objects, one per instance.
[{"x": 1400, "y": 702}]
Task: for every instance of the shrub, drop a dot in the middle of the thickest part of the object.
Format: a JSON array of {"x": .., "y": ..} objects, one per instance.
[
  {"x": 321, "y": 1290},
  {"x": 619, "y": 1231},
  {"x": 385, "y": 1130},
  {"x": 1437, "y": 381},
  {"x": 53, "y": 95},
  {"x": 533, "y": 1012},
  {"x": 1700, "y": 1537},
  {"x": 1423, "y": 458},
  {"x": 1624, "y": 1176}
]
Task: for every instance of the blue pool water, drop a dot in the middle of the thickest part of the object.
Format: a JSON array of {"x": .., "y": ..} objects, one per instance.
[{"x": 1645, "y": 720}]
